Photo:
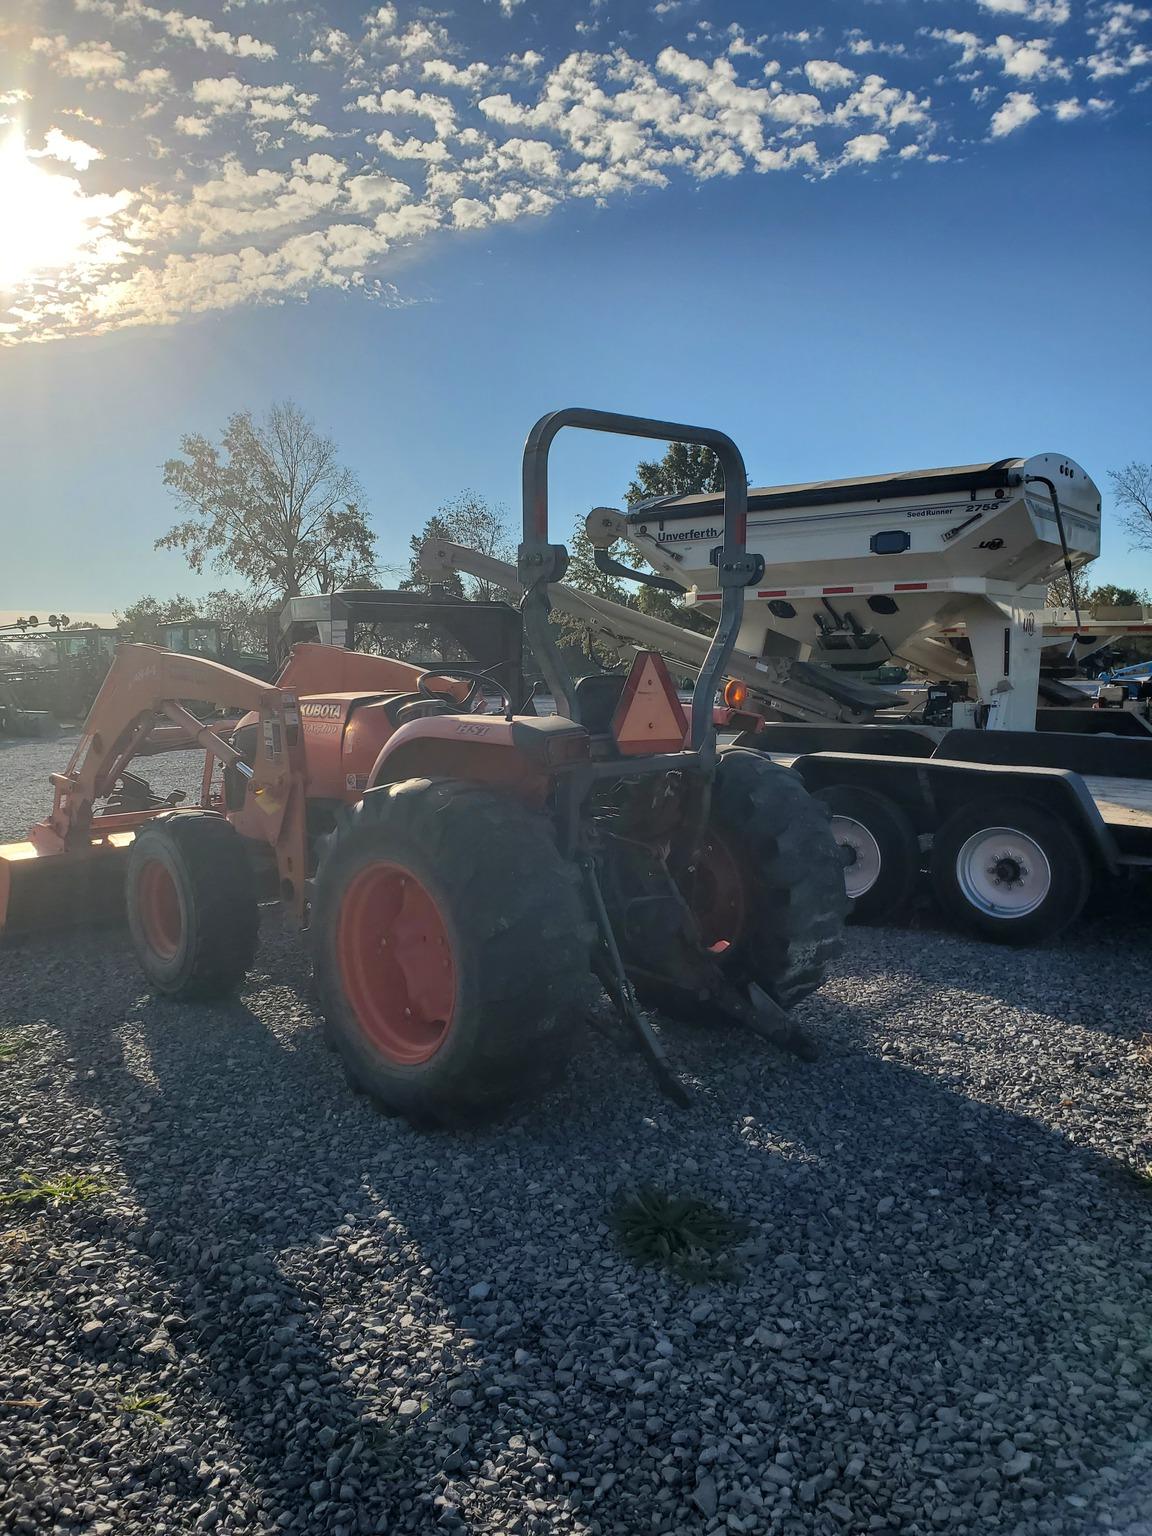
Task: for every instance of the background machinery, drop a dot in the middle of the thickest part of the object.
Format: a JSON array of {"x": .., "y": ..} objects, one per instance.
[
  {"x": 463, "y": 876},
  {"x": 1015, "y": 807}
]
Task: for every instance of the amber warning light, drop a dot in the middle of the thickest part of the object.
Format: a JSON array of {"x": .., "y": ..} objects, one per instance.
[{"x": 735, "y": 694}]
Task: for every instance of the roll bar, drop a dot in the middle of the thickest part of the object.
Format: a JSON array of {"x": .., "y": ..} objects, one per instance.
[{"x": 541, "y": 563}]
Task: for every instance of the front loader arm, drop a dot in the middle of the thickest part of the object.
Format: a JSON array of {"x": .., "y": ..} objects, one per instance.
[{"x": 146, "y": 687}]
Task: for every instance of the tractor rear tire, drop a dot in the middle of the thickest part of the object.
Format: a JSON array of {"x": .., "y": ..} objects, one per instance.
[
  {"x": 780, "y": 843},
  {"x": 191, "y": 903},
  {"x": 452, "y": 950}
]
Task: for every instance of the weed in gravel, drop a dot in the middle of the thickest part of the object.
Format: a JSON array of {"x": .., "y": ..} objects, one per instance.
[
  {"x": 68, "y": 1189},
  {"x": 13, "y": 1046},
  {"x": 387, "y": 1442},
  {"x": 146, "y": 1407},
  {"x": 680, "y": 1232},
  {"x": 1144, "y": 1052}
]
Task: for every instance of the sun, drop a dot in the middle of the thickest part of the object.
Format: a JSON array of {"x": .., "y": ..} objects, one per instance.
[{"x": 45, "y": 219}]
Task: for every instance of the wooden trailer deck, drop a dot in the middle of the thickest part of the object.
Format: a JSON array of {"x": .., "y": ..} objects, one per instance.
[{"x": 1123, "y": 802}]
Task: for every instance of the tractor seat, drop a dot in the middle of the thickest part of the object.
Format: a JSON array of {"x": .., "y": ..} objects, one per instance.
[{"x": 597, "y": 696}]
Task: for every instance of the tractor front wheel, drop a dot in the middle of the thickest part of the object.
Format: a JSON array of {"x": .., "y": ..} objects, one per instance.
[
  {"x": 452, "y": 950},
  {"x": 191, "y": 905}
]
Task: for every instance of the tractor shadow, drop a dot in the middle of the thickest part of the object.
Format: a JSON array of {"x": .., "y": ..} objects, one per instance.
[
  {"x": 228, "y": 1137},
  {"x": 254, "y": 1173}
]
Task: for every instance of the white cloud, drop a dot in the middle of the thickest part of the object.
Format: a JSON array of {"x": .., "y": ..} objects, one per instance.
[
  {"x": 330, "y": 46},
  {"x": 1069, "y": 110},
  {"x": 470, "y": 213},
  {"x": 825, "y": 74},
  {"x": 262, "y": 105},
  {"x": 447, "y": 73},
  {"x": 1112, "y": 63},
  {"x": 887, "y": 105},
  {"x": 865, "y": 148},
  {"x": 407, "y": 103},
  {"x": 1048, "y": 12},
  {"x": 147, "y": 82},
  {"x": 248, "y": 223},
  {"x": 860, "y": 45},
  {"x": 1027, "y": 60},
  {"x": 96, "y": 62},
  {"x": 368, "y": 192},
  {"x": 193, "y": 127},
  {"x": 58, "y": 146},
  {"x": 181, "y": 27},
  {"x": 1018, "y": 108},
  {"x": 971, "y": 47}
]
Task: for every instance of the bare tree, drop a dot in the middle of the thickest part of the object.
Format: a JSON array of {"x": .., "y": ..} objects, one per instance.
[
  {"x": 273, "y": 503},
  {"x": 1132, "y": 488}
]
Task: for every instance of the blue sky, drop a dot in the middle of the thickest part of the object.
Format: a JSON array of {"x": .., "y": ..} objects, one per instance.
[{"x": 859, "y": 237}]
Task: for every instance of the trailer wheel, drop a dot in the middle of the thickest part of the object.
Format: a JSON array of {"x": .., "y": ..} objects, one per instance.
[
  {"x": 191, "y": 905},
  {"x": 452, "y": 950},
  {"x": 777, "y": 885},
  {"x": 878, "y": 848},
  {"x": 1009, "y": 871}
]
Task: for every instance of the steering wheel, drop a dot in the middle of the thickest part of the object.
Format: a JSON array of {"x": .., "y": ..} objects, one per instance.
[{"x": 464, "y": 705}]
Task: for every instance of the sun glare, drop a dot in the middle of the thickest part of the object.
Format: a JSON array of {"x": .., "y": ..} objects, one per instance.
[{"x": 44, "y": 220}]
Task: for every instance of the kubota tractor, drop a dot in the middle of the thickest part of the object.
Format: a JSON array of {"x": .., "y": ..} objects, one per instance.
[{"x": 463, "y": 877}]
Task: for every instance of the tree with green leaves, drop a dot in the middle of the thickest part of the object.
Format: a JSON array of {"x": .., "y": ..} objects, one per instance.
[
  {"x": 687, "y": 469},
  {"x": 143, "y": 621},
  {"x": 273, "y": 503},
  {"x": 475, "y": 523},
  {"x": 1105, "y": 595},
  {"x": 238, "y": 614}
]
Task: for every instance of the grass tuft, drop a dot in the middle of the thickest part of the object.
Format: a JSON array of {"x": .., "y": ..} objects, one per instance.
[
  {"x": 68, "y": 1189},
  {"x": 680, "y": 1232},
  {"x": 13, "y": 1046},
  {"x": 147, "y": 1407}
]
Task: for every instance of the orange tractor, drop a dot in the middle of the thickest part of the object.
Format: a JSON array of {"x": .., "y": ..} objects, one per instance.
[{"x": 463, "y": 876}]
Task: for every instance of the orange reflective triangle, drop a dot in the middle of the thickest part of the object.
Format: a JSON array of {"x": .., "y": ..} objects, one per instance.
[{"x": 649, "y": 716}]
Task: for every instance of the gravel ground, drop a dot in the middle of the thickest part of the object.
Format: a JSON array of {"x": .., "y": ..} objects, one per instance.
[{"x": 283, "y": 1312}]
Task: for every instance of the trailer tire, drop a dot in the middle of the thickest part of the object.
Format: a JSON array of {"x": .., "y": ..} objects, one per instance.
[
  {"x": 452, "y": 950},
  {"x": 880, "y": 874},
  {"x": 191, "y": 904},
  {"x": 794, "y": 902},
  {"x": 1009, "y": 871}
]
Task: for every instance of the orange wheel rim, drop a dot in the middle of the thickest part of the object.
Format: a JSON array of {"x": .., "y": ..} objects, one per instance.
[
  {"x": 716, "y": 894},
  {"x": 396, "y": 963},
  {"x": 159, "y": 906}
]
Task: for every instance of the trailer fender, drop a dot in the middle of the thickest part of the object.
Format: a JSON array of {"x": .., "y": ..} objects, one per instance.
[{"x": 929, "y": 790}]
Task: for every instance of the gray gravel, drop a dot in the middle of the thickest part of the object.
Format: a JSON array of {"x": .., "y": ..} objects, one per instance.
[{"x": 944, "y": 1320}]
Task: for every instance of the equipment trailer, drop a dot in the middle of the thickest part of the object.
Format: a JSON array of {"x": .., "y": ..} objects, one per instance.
[{"x": 1020, "y": 808}]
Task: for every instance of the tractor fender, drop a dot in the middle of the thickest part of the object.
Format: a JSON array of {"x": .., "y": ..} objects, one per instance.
[
  {"x": 929, "y": 790},
  {"x": 520, "y": 755}
]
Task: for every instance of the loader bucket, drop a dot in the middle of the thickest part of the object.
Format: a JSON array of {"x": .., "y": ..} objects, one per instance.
[{"x": 41, "y": 891}]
